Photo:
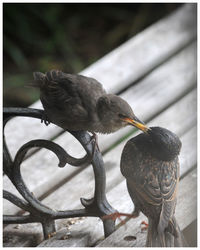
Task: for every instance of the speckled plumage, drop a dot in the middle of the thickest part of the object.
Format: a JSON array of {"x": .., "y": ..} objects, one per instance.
[
  {"x": 150, "y": 165},
  {"x": 76, "y": 102}
]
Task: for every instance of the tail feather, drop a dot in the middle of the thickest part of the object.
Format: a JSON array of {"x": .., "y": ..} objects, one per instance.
[
  {"x": 49, "y": 79},
  {"x": 54, "y": 75},
  {"x": 167, "y": 238},
  {"x": 41, "y": 80},
  {"x": 38, "y": 80},
  {"x": 38, "y": 76}
]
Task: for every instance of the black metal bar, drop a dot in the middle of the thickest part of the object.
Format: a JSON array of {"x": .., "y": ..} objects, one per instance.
[
  {"x": 17, "y": 201},
  {"x": 49, "y": 228},
  {"x": 17, "y": 219},
  {"x": 97, "y": 206}
]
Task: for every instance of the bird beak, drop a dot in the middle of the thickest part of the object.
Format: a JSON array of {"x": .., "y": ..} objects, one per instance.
[{"x": 136, "y": 123}]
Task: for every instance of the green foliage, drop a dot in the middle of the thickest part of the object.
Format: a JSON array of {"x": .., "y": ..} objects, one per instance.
[{"x": 66, "y": 36}]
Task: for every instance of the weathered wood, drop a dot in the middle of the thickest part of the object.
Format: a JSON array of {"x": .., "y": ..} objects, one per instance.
[
  {"x": 186, "y": 208},
  {"x": 159, "y": 90},
  {"x": 40, "y": 178},
  {"x": 20, "y": 239},
  {"x": 119, "y": 197},
  {"x": 153, "y": 88},
  {"x": 189, "y": 147},
  {"x": 72, "y": 191},
  {"x": 64, "y": 238},
  {"x": 153, "y": 94},
  {"x": 145, "y": 51},
  {"x": 190, "y": 233},
  {"x": 118, "y": 69}
]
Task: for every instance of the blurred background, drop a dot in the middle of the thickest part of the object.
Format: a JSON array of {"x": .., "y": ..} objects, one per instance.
[{"x": 65, "y": 36}]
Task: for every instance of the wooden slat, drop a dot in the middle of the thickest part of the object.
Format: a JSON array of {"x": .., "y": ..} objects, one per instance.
[
  {"x": 18, "y": 240},
  {"x": 145, "y": 51},
  {"x": 159, "y": 83},
  {"x": 160, "y": 89},
  {"x": 64, "y": 238},
  {"x": 186, "y": 213},
  {"x": 72, "y": 191},
  {"x": 122, "y": 66},
  {"x": 119, "y": 197},
  {"x": 43, "y": 178}
]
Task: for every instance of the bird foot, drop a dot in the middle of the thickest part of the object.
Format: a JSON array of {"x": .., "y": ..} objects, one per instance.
[
  {"x": 45, "y": 119},
  {"x": 145, "y": 226},
  {"x": 136, "y": 212},
  {"x": 117, "y": 215},
  {"x": 50, "y": 235},
  {"x": 94, "y": 138},
  {"x": 113, "y": 217}
]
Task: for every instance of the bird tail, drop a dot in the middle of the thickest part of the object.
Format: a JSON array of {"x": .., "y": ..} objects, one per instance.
[
  {"x": 170, "y": 237},
  {"x": 39, "y": 80},
  {"x": 48, "y": 80}
]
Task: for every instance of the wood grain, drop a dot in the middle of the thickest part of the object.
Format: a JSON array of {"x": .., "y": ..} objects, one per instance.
[
  {"x": 186, "y": 208},
  {"x": 161, "y": 75},
  {"x": 116, "y": 193},
  {"x": 121, "y": 67},
  {"x": 42, "y": 174}
]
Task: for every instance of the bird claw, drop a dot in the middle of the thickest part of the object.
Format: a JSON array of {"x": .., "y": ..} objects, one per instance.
[
  {"x": 117, "y": 215},
  {"x": 45, "y": 119},
  {"x": 51, "y": 235},
  {"x": 145, "y": 226},
  {"x": 112, "y": 216},
  {"x": 136, "y": 212},
  {"x": 95, "y": 146},
  {"x": 95, "y": 138}
]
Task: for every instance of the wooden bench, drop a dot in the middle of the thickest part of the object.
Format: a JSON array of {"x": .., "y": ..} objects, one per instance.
[{"x": 155, "y": 71}]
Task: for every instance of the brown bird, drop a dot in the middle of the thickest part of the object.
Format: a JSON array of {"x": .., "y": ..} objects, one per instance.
[
  {"x": 150, "y": 165},
  {"x": 76, "y": 102}
]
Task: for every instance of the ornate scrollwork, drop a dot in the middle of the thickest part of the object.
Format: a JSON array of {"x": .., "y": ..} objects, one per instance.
[{"x": 97, "y": 206}]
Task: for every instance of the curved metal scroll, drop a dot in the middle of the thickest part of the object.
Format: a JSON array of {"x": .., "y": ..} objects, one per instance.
[{"x": 97, "y": 206}]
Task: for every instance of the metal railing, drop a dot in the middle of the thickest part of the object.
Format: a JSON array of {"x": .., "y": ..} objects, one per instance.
[{"x": 98, "y": 206}]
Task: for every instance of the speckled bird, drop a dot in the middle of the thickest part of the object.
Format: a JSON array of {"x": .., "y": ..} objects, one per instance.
[
  {"x": 76, "y": 102},
  {"x": 150, "y": 165}
]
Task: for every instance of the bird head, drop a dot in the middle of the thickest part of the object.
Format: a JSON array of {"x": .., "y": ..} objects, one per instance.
[
  {"x": 115, "y": 112},
  {"x": 164, "y": 144}
]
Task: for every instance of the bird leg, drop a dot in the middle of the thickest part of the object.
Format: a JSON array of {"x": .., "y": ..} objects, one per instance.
[
  {"x": 117, "y": 215},
  {"x": 45, "y": 119},
  {"x": 136, "y": 212},
  {"x": 145, "y": 225},
  {"x": 94, "y": 138}
]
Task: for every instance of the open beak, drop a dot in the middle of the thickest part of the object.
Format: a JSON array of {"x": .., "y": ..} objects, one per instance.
[{"x": 136, "y": 123}]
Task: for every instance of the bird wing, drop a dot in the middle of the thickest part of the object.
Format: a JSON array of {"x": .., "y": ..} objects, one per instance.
[
  {"x": 75, "y": 95},
  {"x": 61, "y": 89},
  {"x": 168, "y": 185},
  {"x": 150, "y": 182}
]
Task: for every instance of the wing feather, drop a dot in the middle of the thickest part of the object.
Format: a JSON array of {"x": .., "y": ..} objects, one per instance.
[{"x": 149, "y": 180}]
